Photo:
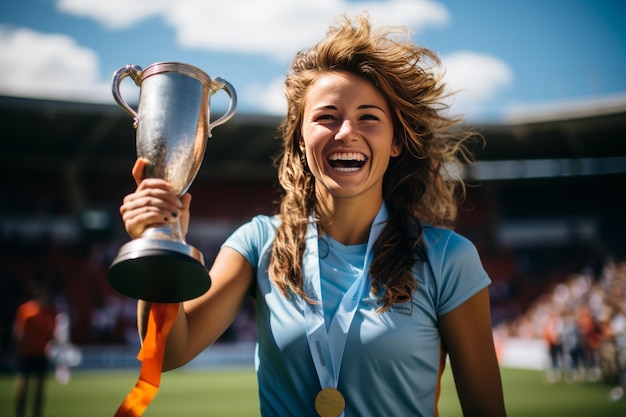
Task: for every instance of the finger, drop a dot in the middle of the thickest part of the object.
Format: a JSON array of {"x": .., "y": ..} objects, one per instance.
[
  {"x": 157, "y": 200},
  {"x": 185, "y": 200},
  {"x": 156, "y": 189},
  {"x": 149, "y": 183},
  {"x": 138, "y": 220},
  {"x": 139, "y": 169},
  {"x": 184, "y": 212}
]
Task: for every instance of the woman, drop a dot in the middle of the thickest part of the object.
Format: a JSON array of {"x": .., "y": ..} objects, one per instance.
[{"x": 361, "y": 288}]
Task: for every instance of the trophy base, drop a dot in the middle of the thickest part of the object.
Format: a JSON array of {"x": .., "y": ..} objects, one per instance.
[{"x": 159, "y": 271}]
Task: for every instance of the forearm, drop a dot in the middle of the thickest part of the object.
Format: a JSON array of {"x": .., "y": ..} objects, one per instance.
[
  {"x": 467, "y": 334},
  {"x": 176, "y": 346},
  {"x": 201, "y": 321}
]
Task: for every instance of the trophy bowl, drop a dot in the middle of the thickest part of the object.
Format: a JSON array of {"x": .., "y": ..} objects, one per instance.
[{"x": 173, "y": 126}]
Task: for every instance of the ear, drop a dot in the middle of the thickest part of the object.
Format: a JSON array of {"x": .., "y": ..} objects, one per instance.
[
  {"x": 396, "y": 148},
  {"x": 301, "y": 144}
]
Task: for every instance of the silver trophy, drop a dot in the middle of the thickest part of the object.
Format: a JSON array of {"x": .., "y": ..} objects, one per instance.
[{"x": 173, "y": 126}]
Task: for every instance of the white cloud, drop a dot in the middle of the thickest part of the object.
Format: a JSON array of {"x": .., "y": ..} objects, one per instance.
[
  {"x": 48, "y": 65},
  {"x": 268, "y": 98},
  {"x": 477, "y": 80},
  {"x": 115, "y": 14},
  {"x": 275, "y": 28},
  {"x": 55, "y": 66}
]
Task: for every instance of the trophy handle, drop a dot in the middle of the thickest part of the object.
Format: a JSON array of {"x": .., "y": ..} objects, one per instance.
[
  {"x": 134, "y": 71},
  {"x": 232, "y": 107}
]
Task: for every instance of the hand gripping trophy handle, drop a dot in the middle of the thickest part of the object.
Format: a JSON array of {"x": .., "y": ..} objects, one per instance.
[{"x": 172, "y": 128}]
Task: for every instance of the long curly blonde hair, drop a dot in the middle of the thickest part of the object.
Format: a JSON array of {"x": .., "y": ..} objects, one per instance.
[{"x": 418, "y": 186}]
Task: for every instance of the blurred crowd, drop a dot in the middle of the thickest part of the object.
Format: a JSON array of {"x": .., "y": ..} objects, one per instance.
[
  {"x": 582, "y": 321},
  {"x": 581, "y": 316},
  {"x": 76, "y": 276}
]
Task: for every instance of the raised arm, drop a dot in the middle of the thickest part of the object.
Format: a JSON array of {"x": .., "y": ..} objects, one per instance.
[{"x": 202, "y": 320}]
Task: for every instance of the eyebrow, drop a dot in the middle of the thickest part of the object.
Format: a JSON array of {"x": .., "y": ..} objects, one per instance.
[
  {"x": 370, "y": 106},
  {"x": 361, "y": 107}
]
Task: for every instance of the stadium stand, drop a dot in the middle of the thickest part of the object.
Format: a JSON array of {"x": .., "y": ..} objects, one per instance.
[{"x": 544, "y": 202}]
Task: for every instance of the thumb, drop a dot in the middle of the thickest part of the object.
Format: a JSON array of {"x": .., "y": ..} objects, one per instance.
[{"x": 139, "y": 169}]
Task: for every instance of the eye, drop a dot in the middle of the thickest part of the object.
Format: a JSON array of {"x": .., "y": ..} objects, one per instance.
[
  {"x": 323, "y": 117},
  {"x": 369, "y": 117}
]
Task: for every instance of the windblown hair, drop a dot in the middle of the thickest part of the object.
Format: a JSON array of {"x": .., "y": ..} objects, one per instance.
[{"x": 420, "y": 185}]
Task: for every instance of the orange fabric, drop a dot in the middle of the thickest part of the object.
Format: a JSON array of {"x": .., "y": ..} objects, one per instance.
[
  {"x": 160, "y": 323},
  {"x": 34, "y": 328},
  {"x": 551, "y": 332}
]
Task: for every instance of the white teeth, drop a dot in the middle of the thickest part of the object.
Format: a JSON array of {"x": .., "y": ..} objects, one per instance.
[
  {"x": 347, "y": 161},
  {"x": 347, "y": 156}
]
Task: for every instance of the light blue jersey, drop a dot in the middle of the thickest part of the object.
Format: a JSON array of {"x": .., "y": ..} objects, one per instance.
[{"x": 393, "y": 361}]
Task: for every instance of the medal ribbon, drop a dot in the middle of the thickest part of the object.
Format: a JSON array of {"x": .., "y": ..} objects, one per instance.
[
  {"x": 327, "y": 357},
  {"x": 160, "y": 321}
]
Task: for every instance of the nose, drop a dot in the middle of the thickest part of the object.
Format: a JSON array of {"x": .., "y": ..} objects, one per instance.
[{"x": 346, "y": 130}]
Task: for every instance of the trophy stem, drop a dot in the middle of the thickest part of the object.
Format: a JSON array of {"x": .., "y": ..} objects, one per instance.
[{"x": 171, "y": 231}]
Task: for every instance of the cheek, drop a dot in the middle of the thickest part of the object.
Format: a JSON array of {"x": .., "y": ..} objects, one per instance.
[
  {"x": 313, "y": 149},
  {"x": 311, "y": 159}
]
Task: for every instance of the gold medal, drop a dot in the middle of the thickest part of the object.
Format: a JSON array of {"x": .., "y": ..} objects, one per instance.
[{"x": 329, "y": 403}]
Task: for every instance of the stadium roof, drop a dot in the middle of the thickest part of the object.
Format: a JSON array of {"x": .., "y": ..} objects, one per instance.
[{"x": 43, "y": 136}]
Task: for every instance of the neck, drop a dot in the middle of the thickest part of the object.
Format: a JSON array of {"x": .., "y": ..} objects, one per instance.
[{"x": 349, "y": 220}]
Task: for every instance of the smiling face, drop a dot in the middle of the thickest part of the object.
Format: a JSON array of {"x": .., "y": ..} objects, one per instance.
[{"x": 347, "y": 130}]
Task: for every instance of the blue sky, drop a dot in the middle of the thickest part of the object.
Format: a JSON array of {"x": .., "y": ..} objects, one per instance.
[{"x": 507, "y": 58}]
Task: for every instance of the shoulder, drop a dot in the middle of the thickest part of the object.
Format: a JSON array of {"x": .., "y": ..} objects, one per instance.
[
  {"x": 254, "y": 237},
  {"x": 446, "y": 242},
  {"x": 456, "y": 268},
  {"x": 24, "y": 311},
  {"x": 262, "y": 225},
  {"x": 449, "y": 252},
  {"x": 28, "y": 307}
]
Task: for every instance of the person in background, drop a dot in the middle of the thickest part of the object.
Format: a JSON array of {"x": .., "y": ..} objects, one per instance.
[
  {"x": 34, "y": 327},
  {"x": 362, "y": 288},
  {"x": 553, "y": 336},
  {"x": 616, "y": 334}
]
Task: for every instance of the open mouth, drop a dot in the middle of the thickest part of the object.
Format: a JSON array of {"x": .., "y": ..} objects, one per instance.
[{"x": 347, "y": 161}]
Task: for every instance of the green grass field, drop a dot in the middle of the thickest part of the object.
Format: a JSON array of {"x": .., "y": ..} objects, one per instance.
[{"x": 233, "y": 394}]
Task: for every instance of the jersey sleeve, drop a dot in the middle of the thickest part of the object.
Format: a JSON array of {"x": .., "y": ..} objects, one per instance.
[
  {"x": 251, "y": 238},
  {"x": 457, "y": 268}
]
